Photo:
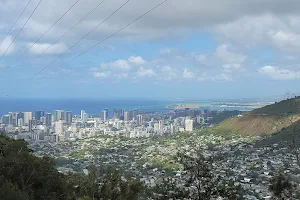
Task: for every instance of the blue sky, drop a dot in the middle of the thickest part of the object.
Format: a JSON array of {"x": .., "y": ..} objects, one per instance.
[{"x": 183, "y": 49}]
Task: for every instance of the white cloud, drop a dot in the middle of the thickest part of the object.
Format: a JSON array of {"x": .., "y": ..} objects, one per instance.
[
  {"x": 116, "y": 65},
  {"x": 41, "y": 47},
  {"x": 143, "y": 72},
  {"x": 287, "y": 40},
  {"x": 166, "y": 51},
  {"x": 101, "y": 74},
  {"x": 277, "y": 73},
  {"x": 5, "y": 44},
  {"x": 188, "y": 74},
  {"x": 121, "y": 76},
  {"x": 138, "y": 60},
  {"x": 167, "y": 73},
  {"x": 201, "y": 58},
  {"x": 279, "y": 32},
  {"x": 231, "y": 67},
  {"x": 225, "y": 53},
  {"x": 124, "y": 65}
]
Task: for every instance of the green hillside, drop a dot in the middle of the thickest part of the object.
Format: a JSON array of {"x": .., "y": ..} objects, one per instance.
[
  {"x": 267, "y": 120},
  {"x": 286, "y": 135}
]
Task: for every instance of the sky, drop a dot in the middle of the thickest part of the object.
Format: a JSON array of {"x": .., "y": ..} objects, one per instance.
[{"x": 182, "y": 49}]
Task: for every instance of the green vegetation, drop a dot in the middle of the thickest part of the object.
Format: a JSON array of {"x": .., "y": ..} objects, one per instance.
[
  {"x": 200, "y": 183},
  {"x": 281, "y": 187},
  {"x": 263, "y": 121},
  {"x": 27, "y": 177},
  {"x": 220, "y": 117}
]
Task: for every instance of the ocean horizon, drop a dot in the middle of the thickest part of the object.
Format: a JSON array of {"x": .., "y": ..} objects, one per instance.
[{"x": 95, "y": 106}]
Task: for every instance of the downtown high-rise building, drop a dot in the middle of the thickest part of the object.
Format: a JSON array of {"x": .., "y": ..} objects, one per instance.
[
  {"x": 161, "y": 125},
  {"x": 134, "y": 112},
  {"x": 189, "y": 125},
  {"x": 104, "y": 114},
  {"x": 121, "y": 114},
  {"x": 115, "y": 114},
  {"x": 59, "y": 115},
  {"x": 20, "y": 119},
  {"x": 68, "y": 117},
  {"x": 38, "y": 115},
  {"x": 81, "y": 114},
  {"x": 48, "y": 120},
  {"x": 27, "y": 117},
  {"x": 59, "y": 127},
  {"x": 139, "y": 120},
  {"x": 126, "y": 116},
  {"x": 85, "y": 117},
  {"x": 32, "y": 124},
  {"x": 12, "y": 120},
  {"x": 5, "y": 119}
]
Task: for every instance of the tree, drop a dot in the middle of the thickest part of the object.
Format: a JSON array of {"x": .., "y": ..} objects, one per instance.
[
  {"x": 36, "y": 178},
  {"x": 293, "y": 108},
  {"x": 200, "y": 183},
  {"x": 281, "y": 187}
]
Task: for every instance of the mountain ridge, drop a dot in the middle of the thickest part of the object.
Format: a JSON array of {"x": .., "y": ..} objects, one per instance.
[{"x": 263, "y": 121}]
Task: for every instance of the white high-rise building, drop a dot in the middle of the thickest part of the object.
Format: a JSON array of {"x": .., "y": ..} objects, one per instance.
[
  {"x": 20, "y": 122},
  {"x": 104, "y": 114},
  {"x": 161, "y": 124},
  {"x": 59, "y": 127},
  {"x": 156, "y": 126},
  {"x": 189, "y": 125},
  {"x": 126, "y": 116},
  {"x": 139, "y": 120},
  {"x": 27, "y": 117},
  {"x": 81, "y": 114},
  {"x": 85, "y": 117}
]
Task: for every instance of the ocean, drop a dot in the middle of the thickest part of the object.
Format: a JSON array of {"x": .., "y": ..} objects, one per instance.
[{"x": 94, "y": 107}]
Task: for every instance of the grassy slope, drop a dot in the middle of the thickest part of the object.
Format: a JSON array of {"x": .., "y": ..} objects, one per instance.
[{"x": 267, "y": 120}]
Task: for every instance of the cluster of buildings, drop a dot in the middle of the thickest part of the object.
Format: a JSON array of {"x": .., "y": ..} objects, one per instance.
[
  {"x": 154, "y": 159},
  {"x": 63, "y": 125}
]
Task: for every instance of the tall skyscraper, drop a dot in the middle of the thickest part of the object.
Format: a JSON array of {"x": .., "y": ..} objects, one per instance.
[
  {"x": 20, "y": 122},
  {"x": 43, "y": 120},
  {"x": 27, "y": 117},
  {"x": 32, "y": 124},
  {"x": 104, "y": 114},
  {"x": 85, "y": 117},
  {"x": 189, "y": 125},
  {"x": 126, "y": 116},
  {"x": 115, "y": 114},
  {"x": 139, "y": 120},
  {"x": 13, "y": 117},
  {"x": 121, "y": 113},
  {"x": 69, "y": 117},
  {"x": 48, "y": 121},
  {"x": 59, "y": 115},
  {"x": 81, "y": 114},
  {"x": 161, "y": 124},
  {"x": 107, "y": 114},
  {"x": 20, "y": 119},
  {"x": 135, "y": 112},
  {"x": 5, "y": 119},
  {"x": 38, "y": 115},
  {"x": 59, "y": 127},
  {"x": 63, "y": 115}
]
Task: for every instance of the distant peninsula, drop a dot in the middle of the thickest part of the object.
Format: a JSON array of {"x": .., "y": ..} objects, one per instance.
[{"x": 183, "y": 106}]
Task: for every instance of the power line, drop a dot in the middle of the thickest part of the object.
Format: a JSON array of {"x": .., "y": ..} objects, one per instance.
[
  {"x": 15, "y": 22},
  {"x": 21, "y": 29},
  {"x": 42, "y": 35},
  {"x": 67, "y": 31},
  {"x": 113, "y": 34},
  {"x": 91, "y": 31}
]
